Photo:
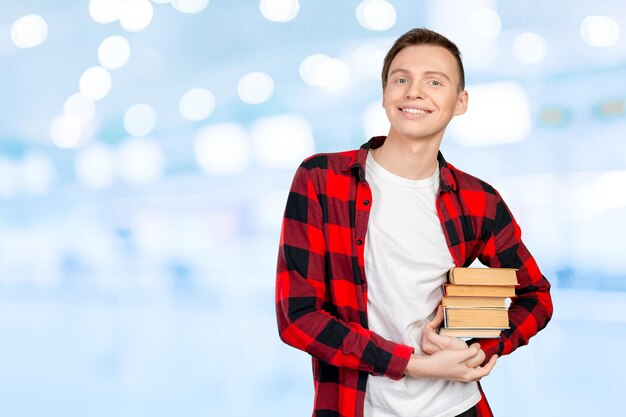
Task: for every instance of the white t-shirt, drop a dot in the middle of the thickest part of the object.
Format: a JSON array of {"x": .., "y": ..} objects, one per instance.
[{"x": 406, "y": 260}]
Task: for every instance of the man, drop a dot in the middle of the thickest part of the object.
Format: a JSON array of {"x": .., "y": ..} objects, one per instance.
[{"x": 368, "y": 236}]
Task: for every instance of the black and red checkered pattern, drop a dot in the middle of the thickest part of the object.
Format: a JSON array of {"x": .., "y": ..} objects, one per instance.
[{"x": 321, "y": 288}]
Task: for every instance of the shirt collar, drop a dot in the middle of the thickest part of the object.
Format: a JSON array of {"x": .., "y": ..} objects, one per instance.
[{"x": 357, "y": 161}]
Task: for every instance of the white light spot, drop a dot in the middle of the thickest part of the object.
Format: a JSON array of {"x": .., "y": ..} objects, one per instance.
[
  {"x": 320, "y": 70},
  {"x": 66, "y": 133},
  {"x": 105, "y": 11},
  {"x": 369, "y": 60},
  {"x": 36, "y": 174},
  {"x": 530, "y": 48},
  {"x": 485, "y": 23},
  {"x": 190, "y": 6},
  {"x": 140, "y": 119},
  {"x": 95, "y": 166},
  {"x": 95, "y": 83},
  {"x": 161, "y": 1},
  {"x": 29, "y": 31},
  {"x": 596, "y": 197},
  {"x": 114, "y": 52},
  {"x": 141, "y": 161},
  {"x": 376, "y": 15},
  {"x": 222, "y": 149},
  {"x": 282, "y": 142},
  {"x": 279, "y": 10},
  {"x": 8, "y": 178},
  {"x": 375, "y": 121},
  {"x": 600, "y": 31},
  {"x": 136, "y": 15},
  {"x": 255, "y": 87},
  {"x": 499, "y": 113},
  {"x": 79, "y": 109},
  {"x": 197, "y": 104}
]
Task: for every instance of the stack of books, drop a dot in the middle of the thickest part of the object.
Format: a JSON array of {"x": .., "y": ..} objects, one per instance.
[{"x": 475, "y": 301}]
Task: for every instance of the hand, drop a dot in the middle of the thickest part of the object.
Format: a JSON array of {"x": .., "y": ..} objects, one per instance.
[
  {"x": 433, "y": 342},
  {"x": 452, "y": 364}
]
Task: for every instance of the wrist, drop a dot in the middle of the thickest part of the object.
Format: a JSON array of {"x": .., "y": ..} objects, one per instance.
[{"x": 416, "y": 366}]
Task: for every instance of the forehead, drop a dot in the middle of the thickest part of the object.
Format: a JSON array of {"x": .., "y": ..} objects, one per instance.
[{"x": 421, "y": 58}]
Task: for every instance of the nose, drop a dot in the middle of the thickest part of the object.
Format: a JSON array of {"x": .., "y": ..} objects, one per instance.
[{"x": 414, "y": 91}]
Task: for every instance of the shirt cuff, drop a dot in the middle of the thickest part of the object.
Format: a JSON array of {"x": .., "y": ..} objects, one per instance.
[{"x": 399, "y": 361}]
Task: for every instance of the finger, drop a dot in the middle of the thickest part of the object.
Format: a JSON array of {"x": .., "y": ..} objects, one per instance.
[
  {"x": 486, "y": 370},
  {"x": 468, "y": 353},
  {"x": 477, "y": 360},
  {"x": 438, "y": 319}
]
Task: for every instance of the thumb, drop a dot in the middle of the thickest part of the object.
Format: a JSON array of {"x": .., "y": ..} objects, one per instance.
[{"x": 438, "y": 319}]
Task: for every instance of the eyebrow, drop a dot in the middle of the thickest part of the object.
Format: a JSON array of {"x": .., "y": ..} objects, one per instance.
[{"x": 426, "y": 72}]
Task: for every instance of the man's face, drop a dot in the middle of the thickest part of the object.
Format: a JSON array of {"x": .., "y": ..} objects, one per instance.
[{"x": 421, "y": 95}]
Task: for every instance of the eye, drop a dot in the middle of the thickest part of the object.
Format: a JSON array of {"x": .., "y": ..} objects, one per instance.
[
  {"x": 401, "y": 81},
  {"x": 435, "y": 83}
]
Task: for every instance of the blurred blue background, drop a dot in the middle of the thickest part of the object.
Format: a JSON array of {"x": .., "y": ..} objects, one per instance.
[{"x": 146, "y": 150}]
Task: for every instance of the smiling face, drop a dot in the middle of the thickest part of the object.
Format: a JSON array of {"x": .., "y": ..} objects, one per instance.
[{"x": 422, "y": 93}]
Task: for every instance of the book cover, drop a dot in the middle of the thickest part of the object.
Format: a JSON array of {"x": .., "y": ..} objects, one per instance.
[
  {"x": 476, "y": 318},
  {"x": 471, "y": 333},
  {"x": 450, "y": 290},
  {"x": 483, "y": 276},
  {"x": 497, "y": 302}
]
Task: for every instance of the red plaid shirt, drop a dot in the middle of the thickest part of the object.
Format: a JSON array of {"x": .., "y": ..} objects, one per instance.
[{"x": 321, "y": 289}]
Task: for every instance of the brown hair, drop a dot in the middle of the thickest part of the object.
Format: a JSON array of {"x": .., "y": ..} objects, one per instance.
[{"x": 421, "y": 36}]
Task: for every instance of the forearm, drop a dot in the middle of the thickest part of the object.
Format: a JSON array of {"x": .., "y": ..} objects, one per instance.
[
  {"x": 343, "y": 344},
  {"x": 462, "y": 365},
  {"x": 528, "y": 314}
]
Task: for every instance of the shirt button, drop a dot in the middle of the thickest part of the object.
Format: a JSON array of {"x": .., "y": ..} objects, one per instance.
[
  {"x": 359, "y": 241},
  {"x": 366, "y": 202}
]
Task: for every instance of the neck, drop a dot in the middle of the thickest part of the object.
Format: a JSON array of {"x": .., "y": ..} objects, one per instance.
[{"x": 414, "y": 160}]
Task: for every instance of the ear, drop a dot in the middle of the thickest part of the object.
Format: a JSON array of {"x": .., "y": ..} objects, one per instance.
[{"x": 461, "y": 103}]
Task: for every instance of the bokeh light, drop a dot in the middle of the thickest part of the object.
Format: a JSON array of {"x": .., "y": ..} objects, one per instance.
[
  {"x": 37, "y": 174},
  {"x": 530, "y": 48},
  {"x": 282, "y": 142},
  {"x": 105, "y": 11},
  {"x": 95, "y": 83},
  {"x": 190, "y": 6},
  {"x": 378, "y": 15},
  {"x": 499, "y": 114},
  {"x": 136, "y": 15},
  {"x": 141, "y": 161},
  {"x": 29, "y": 31},
  {"x": 79, "y": 109},
  {"x": 485, "y": 23},
  {"x": 66, "y": 133},
  {"x": 279, "y": 10},
  {"x": 222, "y": 149},
  {"x": 196, "y": 104},
  {"x": 8, "y": 177},
  {"x": 95, "y": 166},
  {"x": 600, "y": 31},
  {"x": 320, "y": 70},
  {"x": 375, "y": 121},
  {"x": 369, "y": 60},
  {"x": 114, "y": 52},
  {"x": 140, "y": 119},
  {"x": 255, "y": 87}
]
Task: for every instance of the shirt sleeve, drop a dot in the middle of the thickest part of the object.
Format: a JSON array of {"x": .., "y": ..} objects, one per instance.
[
  {"x": 531, "y": 309},
  {"x": 302, "y": 293}
]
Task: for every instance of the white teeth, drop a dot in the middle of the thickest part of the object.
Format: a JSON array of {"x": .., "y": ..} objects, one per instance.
[{"x": 414, "y": 111}]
